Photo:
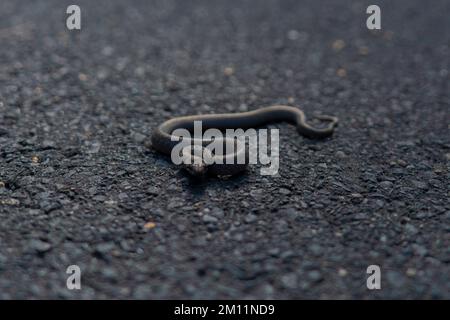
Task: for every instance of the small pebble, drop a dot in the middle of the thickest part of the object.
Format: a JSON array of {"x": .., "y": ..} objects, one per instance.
[
  {"x": 40, "y": 246},
  {"x": 149, "y": 225},
  {"x": 338, "y": 45},
  {"x": 209, "y": 219}
]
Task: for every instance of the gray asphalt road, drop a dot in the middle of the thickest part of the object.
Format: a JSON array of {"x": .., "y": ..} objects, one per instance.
[{"x": 79, "y": 185}]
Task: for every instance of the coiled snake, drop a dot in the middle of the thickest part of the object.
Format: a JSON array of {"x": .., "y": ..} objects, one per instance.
[{"x": 164, "y": 142}]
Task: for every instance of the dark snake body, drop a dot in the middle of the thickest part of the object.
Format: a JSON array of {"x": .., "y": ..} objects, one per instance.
[{"x": 162, "y": 142}]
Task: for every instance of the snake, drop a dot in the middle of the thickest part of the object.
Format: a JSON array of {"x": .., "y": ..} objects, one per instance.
[{"x": 164, "y": 140}]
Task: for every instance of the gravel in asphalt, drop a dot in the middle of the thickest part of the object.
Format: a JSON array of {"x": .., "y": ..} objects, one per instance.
[{"x": 80, "y": 185}]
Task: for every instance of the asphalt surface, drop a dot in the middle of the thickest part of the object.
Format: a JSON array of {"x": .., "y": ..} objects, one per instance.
[{"x": 80, "y": 185}]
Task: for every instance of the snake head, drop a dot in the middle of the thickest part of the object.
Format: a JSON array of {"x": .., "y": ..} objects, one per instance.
[
  {"x": 193, "y": 160},
  {"x": 197, "y": 170}
]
